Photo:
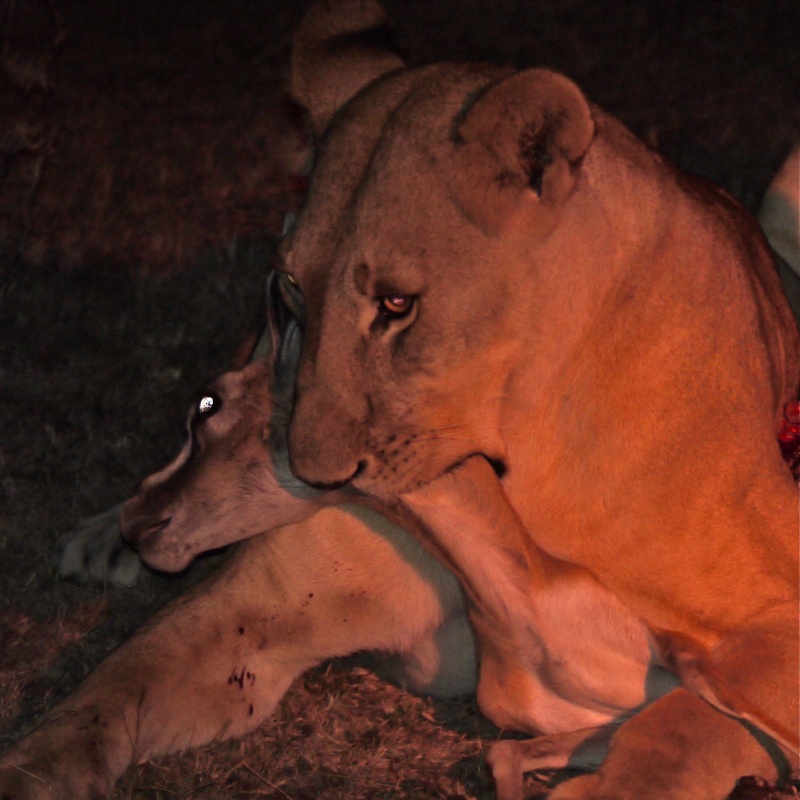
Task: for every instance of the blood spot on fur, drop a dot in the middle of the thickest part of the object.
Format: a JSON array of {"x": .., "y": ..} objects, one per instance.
[
  {"x": 250, "y": 710},
  {"x": 240, "y": 675},
  {"x": 241, "y": 631}
]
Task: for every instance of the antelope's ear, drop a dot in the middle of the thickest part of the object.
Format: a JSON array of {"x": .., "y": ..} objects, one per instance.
[
  {"x": 526, "y": 136},
  {"x": 340, "y": 47}
]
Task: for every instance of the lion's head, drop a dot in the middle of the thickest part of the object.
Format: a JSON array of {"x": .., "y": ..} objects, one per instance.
[
  {"x": 427, "y": 186},
  {"x": 481, "y": 252}
]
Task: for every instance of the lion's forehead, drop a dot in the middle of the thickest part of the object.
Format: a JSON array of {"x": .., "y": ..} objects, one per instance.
[{"x": 384, "y": 163}]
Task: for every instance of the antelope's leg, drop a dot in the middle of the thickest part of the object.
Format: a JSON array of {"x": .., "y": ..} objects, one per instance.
[{"x": 217, "y": 661}]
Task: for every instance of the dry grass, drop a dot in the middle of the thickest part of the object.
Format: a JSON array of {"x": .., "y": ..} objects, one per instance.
[
  {"x": 146, "y": 160},
  {"x": 340, "y": 732}
]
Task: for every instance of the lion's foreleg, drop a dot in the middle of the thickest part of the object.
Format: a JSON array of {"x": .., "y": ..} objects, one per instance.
[
  {"x": 681, "y": 746},
  {"x": 678, "y": 747},
  {"x": 96, "y": 552},
  {"x": 697, "y": 672},
  {"x": 510, "y": 759}
]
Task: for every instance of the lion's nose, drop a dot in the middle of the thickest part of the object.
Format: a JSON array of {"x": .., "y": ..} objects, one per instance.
[{"x": 322, "y": 440}]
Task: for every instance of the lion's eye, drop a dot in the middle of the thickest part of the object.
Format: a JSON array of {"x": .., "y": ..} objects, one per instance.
[
  {"x": 396, "y": 306},
  {"x": 208, "y": 404}
]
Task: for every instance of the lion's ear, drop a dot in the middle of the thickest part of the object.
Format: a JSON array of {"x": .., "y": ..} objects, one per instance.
[
  {"x": 340, "y": 47},
  {"x": 536, "y": 127}
]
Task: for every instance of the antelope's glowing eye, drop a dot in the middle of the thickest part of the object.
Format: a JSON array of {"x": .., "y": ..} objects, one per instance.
[
  {"x": 209, "y": 404},
  {"x": 396, "y": 306}
]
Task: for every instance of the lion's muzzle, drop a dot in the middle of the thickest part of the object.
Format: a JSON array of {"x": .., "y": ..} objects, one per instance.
[{"x": 323, "y": 450}]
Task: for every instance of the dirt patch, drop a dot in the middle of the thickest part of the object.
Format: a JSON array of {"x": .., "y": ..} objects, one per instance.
[{"x": 146, "y": 160}]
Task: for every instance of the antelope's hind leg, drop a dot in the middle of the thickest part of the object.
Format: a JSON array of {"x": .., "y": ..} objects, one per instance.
[
  {"x": 217, "y": 661},
  {"x": 181, "y": 680}
]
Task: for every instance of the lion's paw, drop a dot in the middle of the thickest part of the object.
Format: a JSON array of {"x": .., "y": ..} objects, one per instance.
[{"x": 97, "y": 553}]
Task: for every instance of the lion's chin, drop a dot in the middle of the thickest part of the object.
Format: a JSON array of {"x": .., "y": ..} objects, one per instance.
[
  {"x": 389, "y": 492},
  {"x": 175, "y": 546}
]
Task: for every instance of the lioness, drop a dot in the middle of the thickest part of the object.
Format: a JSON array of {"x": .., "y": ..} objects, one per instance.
[{"x": 493, "y": 268}]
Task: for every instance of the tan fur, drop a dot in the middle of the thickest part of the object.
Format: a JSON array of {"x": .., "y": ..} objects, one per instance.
[
  {"x": 199, "y": 670},
  {"x": 614, "y": 333},
  {"x": 325, "y": 40}
]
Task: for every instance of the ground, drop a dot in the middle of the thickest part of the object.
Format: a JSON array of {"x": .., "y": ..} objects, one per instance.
[{"x": 147, "y": 158}]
